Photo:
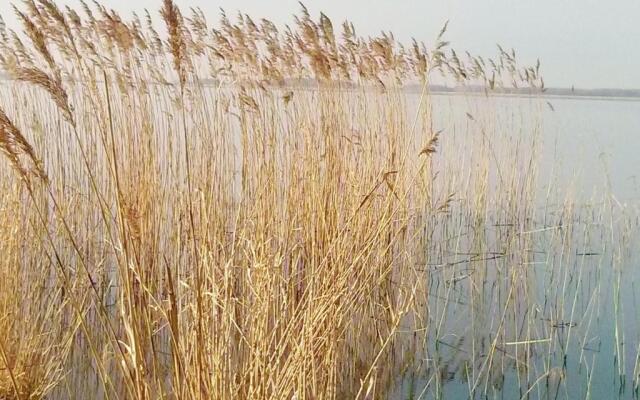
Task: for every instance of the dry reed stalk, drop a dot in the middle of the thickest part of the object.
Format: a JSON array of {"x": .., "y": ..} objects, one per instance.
[
  {"x": 174, "y": 22},
  {"x": 13, "y": 143},
  {"x": 54, "y": 87}
]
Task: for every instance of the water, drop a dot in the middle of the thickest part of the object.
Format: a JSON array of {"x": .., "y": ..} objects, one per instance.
[{"x": 537, "y": 301}]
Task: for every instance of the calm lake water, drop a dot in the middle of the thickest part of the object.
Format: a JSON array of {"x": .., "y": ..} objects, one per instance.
[{"x": 541, "y": 302}]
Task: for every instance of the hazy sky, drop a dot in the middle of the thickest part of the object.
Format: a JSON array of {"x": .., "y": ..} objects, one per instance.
[{"x": 586, "y": 43}]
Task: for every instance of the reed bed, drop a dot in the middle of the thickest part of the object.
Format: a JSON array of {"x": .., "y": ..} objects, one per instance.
[{"x": 242, "y": 211}]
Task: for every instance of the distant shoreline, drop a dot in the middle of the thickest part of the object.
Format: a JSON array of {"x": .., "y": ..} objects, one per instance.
[
  {"x": 552, "y": 93},
  {"x": 631, "y": 98}
]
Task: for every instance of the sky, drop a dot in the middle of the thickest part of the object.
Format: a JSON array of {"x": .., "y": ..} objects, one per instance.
[{"x": 580, "y": 43}]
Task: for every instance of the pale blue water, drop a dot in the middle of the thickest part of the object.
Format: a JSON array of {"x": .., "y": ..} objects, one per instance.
[{"x": 563, "y": 277}]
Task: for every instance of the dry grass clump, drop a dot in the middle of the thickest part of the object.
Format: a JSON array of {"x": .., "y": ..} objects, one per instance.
[
  {"x": 34, "y": 336},
  {"x": 230, "y": 212},
  {"x": 25, "y": 368}
]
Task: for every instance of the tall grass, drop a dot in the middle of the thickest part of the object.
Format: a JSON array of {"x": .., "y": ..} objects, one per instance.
[{"x": 234, "y": 212}]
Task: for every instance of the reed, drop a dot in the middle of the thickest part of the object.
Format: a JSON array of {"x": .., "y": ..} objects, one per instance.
[{"x": 241, "y": 211}]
